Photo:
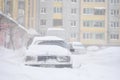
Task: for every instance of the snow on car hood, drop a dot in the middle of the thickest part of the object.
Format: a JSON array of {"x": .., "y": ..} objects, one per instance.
[{"x": 47, "y": 50}]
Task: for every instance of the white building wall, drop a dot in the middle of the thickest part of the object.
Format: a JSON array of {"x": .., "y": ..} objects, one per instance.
[{"x": 66, "y": 13}]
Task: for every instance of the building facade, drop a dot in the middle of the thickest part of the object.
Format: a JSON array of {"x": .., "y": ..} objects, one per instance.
[
  {"x": 114, "y": 22},
  {"x": 93, "y": 28},
  {"x": 23, "y": 11},
  {"x": 71, "y": 19},
  {"x": 59, "y": 14},
  {"x": 30, "y": 13},
  {"x": 92, "y": 22},
  {"x": 2, "y": 5}
]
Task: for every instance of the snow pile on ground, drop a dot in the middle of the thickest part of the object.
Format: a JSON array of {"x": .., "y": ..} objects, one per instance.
[
  {"x": 101, "y": 65},
  {"x": 97, "y": 65},
  {"x": 11, "y": 69},
  {"x": 6, "y": 54},
  {"x": 92, "y": 48},
  {"x": 14, "y": 56}
]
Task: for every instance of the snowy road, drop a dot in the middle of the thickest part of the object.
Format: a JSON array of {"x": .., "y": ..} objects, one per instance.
[
  {"x": 16, "y": 72},
  {"x": 100, "y": 65}
]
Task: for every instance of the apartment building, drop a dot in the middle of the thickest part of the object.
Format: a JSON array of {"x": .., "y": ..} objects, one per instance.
[
  {"x": 2, "y": 5},
  {"x": 71, "y": 19},
  {"x": 23, "y": 11},
  {"x": 30, "y": 13},
  {"x": 44, "y": 16},
  {"x": 93, "y": 24},
  {"x": 59, "y": 14},
  {"x": 114, "y": 22}
]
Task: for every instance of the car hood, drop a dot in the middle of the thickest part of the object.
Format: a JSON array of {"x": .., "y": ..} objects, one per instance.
[{"x": 47, "y": 50}]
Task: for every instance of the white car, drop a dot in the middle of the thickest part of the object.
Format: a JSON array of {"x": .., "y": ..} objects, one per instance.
[
  {"x": 78, "y": 48},
  {"x": 92, "y": 48},
  {"x": 49, "y": 51}
]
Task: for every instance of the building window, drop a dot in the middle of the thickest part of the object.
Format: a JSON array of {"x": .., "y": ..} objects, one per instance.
[
  {"x": 21, "y": 12},
  {"x": 99, "y": 11},
  {"x": 94, "y": 11},
  {"x": 114, "y": 36},
  {"x": 73, "y": 35},
  {"x": 73, "y": 23},
  {"x": 111, "y": 1},
  {"x": 73, "y": 0},
  {"x": 57, "y": 9},
  {"x": 114, "y": 24},
  {"x": 114, "y": 12},
  {"x": 99, "y": 0},
  {"x": 115, "y": 1},
  {"x": 21, "y": 4},
  {"x": 98, "y": 24},
  {"x": 92, "y": 23},
  {"x": 87, "y": 35},
  {"x": 91, "y": 35},
  {"x": 8, "y": 9},
  {"x": 94, "y": 0},
  {"x": 118, "y": 1},
  {"x": 57, "y": 22},
  {"x": 88, "y": 11},
  {"x": 43, "y": 22},
  {"x": 43, "y": 10},
  {"x": 58, "y": 0},
  {"x": 87, "y": 23},
  {"x": 88, "y": 0},
  {"x": 73, "y": 11},
  {"x": 99, "y": 36}
]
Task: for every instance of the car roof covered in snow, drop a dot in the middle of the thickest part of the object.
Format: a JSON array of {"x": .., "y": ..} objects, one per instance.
[{"x": 47, "y": 38}]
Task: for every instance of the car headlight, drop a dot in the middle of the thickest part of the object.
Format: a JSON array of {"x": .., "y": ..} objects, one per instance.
[
  {"x": 30, "y": 58},
  {"x": 63, "y": 58}
]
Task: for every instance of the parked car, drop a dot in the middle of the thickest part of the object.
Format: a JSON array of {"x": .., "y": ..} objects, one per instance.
[
  {"x": 77, "y": 48},
  {"x": 92, "y": 48},
  {"x": 49, "y": 51}
]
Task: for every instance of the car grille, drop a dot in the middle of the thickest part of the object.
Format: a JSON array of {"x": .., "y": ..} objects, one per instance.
[
  {"x": 45, "y": 58},
  {"x": 54, "y": 58}
]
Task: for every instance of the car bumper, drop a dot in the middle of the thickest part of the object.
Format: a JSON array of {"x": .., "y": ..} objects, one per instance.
[{"x": 51, "y": 65}]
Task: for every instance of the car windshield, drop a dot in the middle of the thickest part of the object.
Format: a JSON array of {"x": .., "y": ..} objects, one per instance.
[
  {"x": 77, "y": 45},
  {"x": 52, "y": 42}
]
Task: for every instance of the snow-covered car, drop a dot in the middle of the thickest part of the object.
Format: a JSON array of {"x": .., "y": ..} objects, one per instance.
[
  {"x": 48, "y": 51},
  {"x": 92, "y": 48},
  {"x": 77, "y": 48}
]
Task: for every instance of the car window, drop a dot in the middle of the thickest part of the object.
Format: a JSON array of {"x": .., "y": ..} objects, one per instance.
[
  {"x": 77, "y": 45},
  {"x": 52, "y": 42}
]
